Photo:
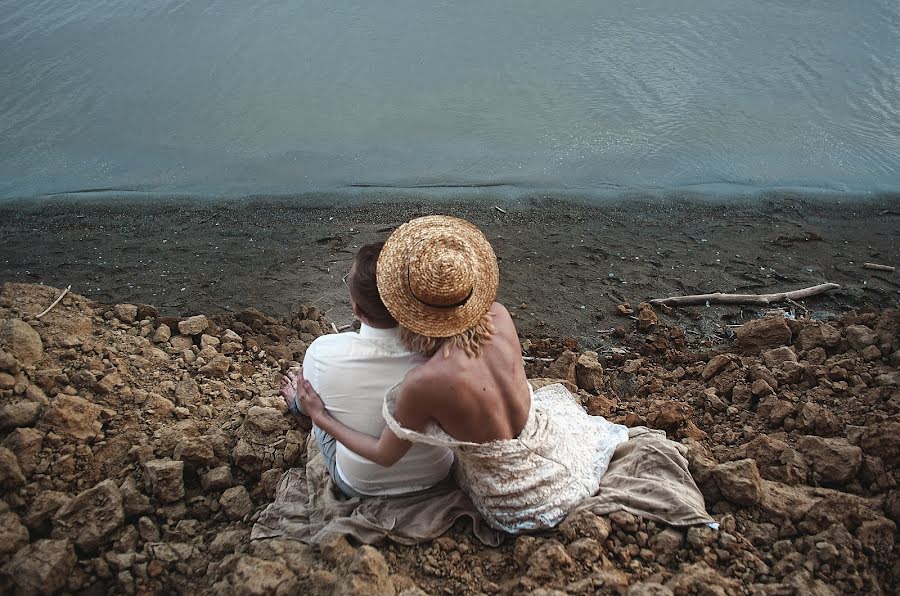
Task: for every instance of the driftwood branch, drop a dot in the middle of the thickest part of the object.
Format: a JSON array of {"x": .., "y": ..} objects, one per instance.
[
  {"x": 877, "y": 267},
  {"x": 55, "y": 302},
  {"x": 720, "y": 298}
]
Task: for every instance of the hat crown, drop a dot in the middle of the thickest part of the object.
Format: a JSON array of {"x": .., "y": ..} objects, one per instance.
[{"x": 441, "y": 272}]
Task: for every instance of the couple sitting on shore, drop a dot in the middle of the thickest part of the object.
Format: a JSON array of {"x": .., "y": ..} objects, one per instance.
[{"x": 434, "y": 375}]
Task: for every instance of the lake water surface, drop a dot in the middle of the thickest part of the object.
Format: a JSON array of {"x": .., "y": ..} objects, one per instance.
[{"x": 223, "y": 98}]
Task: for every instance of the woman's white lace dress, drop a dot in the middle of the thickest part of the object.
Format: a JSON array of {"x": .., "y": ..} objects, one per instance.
[{"x": 533, "y": 481}]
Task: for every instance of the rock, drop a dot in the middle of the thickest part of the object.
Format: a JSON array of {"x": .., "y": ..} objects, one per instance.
[
  {"x": 45, "y": 505},
  {"x": 668, "y": 415},
  {"x": 227, "y": 541},
  {"x": 589, "y": 372},
  {"x": 817, "y": 335},
  {"x": 815, "y": 418},
  {"x": 91, "y": 517},
  {"x": 584, "y": 524},
  {"x": 209, "y": 341},
  {"x": 236, "y": 502},
  {"x": 835, "y": 460},
  {"x": 262, "y": 444},
  {"x": 42, "y": 567},
  {"x": 181, "y": 342},
  {"x": 667, "y": 543},
  {"x": 127, "y": 313},
  {"x": 21, "y": 341},
  {"x": 549, "y": 561},
  {"x": 11, "y": 476},
  {"x": 217, "y": 479},
  {"x": 73, "y": 416},
  {"x": 860, "y": 337},
  {"x": 26, "y": 444},
  {"x": 760, "y": 388},
  {"x": 883, "y": 440},
  {"x": 166, "y": 479},
  {"x": 134, "y": 502},
  {"x": 187, "y": 393},
  {"x": 217, "y": 368},
  {"x": 716, "y": 365},
  {"x": 196, "y": 452},
  {"x": 585, "y": 550},
  {"x": 701, "y": 536},
  {"x": 8, "y": 363},
  {"x": 193, "y": 325},
  {"x": 776, "y": 459},
  {"x": 739, "y": 481},
  {"x": 776, "y": 357},
  {"x": 762, "y": 333},
  {"x": 19, "y": 414},
  {"x": 624, "y": 520},
  {"x": 700, "y": 578},
  {"x": 564, "y": 367},
  {"x": 646, "y": 318},
  {"x": 162, "y": 334},
  {"x": 13, "y": 535},
  {"x": 7, "y": 381},
  {"x": 368, "y": 574},
  {"x": 250, "y": 576},
  {"x": 648, "y": 589}
]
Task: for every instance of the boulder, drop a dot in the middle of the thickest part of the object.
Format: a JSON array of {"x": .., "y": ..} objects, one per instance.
[
  {"x": 739, "y": 481},
  {"x": 589, "y": 372},
  {"x": 817, "y": 335},
  {"x": 13, "y": 535},
  {"x": 8, "y": 364},
  {"x": 776, "y": 357},
  {"x": 91, "y": 517},
  {"x": 162, "y": 334},
  {"x": 44, "y": 507},
  {"x": 127, "y": 313},
  {"x": 11, "y": 476},
  {"x": 74, "y": 417},
  {"x": 646, "y": 318},
  {"x": 187, "y": 393},
  {"x": 165, "y": 479},
  {"x": 42, "y": 567},
  {"x": 883, "y": 440},
  {"x": 368, "y": 573},
  {"x": 266, "y": 441},
  {"x": 26, "y": 444},
  {"x": 549, "y": 562},
  {"x": 195, "y": 325},
  {"x": 19, "y": 414},
  {"x": 763, "y": 333},
  {"x": 584, "y": 524},
  {"x": 236, "y": 502},
  {"x": 564, "y": 367},
  {"x": 860, "y": 337},
  {"x": 196, "y": 452},
  {"x": 217, "y": 368},
  {"x": 250, "y": 576},
  {"x": 217, "y": 479},
  {"x": 21, "y": 341},
  {"x": 835, "y": 460},
  {"x": 776, "y": 460},
  {"x": 716, "y": 365}
]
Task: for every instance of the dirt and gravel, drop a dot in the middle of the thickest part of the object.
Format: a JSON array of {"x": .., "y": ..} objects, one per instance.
[{"x": 137, "y": 450}]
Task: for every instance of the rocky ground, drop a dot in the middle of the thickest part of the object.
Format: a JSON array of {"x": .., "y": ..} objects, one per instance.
[{"x": 137, "y": 451}]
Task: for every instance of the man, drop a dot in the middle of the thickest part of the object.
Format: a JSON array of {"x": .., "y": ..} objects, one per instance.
[{"x": 353, "y": 372}]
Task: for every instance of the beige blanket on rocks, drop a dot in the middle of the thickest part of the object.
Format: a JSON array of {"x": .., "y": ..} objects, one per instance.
[{"x": 648, "y": 476}]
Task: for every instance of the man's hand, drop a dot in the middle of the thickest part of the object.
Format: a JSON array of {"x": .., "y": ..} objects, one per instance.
[{"x": 310, "y": 401}]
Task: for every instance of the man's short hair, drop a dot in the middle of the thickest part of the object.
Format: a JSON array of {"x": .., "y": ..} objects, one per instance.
[{"x": 364, "y": 287}]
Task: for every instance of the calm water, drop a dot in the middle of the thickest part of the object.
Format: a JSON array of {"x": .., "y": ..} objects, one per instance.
[{"x": 214, "y": 98}]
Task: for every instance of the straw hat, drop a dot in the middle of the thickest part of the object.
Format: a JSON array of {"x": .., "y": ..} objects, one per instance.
[{"x": 437, "y": 275}]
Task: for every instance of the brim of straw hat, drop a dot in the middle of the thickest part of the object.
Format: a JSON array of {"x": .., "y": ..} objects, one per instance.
[{"x": 393, "y": 275}]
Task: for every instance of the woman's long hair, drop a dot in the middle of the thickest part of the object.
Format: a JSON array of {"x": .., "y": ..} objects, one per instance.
[{"x": 471, "y": 341}]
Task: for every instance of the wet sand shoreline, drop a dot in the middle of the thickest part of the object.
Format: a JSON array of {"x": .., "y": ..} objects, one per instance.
[{"x": 565, "y": 265}]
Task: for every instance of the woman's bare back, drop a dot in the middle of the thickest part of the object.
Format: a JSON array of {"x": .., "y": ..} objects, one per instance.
[{"x": 476, "y": 400}]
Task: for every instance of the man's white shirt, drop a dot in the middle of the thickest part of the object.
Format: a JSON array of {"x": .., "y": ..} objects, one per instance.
[{"x": 353, "y": 372}]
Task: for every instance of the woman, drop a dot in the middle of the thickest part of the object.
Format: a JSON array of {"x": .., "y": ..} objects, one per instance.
[{"x": 526, "y": 459}]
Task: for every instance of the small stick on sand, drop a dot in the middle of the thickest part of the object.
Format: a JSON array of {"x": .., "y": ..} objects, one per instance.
[
  {"x": 345, "y": 327},
  {"x": 720, "y": 298},
  {"x": 55, "y": 302},
  {"x": 877, "y": 267},
  {"x": 535, "y": 358},
  {"x": 500, "y": 210},
  {"x": 334, "y": 328}
]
